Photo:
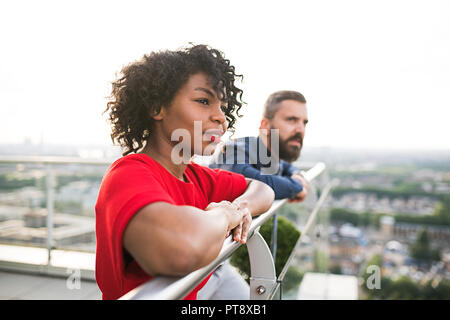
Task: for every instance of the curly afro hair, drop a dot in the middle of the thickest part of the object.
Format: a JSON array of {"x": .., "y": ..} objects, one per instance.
[{"x": 152, "y": 82}]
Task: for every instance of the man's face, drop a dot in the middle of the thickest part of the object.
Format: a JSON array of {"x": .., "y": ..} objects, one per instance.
[{"x": 290, "y": 119}]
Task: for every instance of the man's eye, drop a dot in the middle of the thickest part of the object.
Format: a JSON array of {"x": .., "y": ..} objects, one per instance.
[{"x": 224, "y": 109}]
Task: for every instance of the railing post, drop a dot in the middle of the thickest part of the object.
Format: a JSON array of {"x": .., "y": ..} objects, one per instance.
[
  {"x": 50, "y": 208},
  {"x": 262, "y": 269},
  {"x": 274, "y": 237}
]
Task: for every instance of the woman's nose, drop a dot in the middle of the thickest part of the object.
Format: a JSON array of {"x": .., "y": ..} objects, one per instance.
[{"x": 218, "y": 115}]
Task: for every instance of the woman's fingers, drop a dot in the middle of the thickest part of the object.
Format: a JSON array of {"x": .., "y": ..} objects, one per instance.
[
  {"x": 241, "y": 231},
  {"x": 239, "y": 219},
  {"x": 237, "y": 232},
  {"x": 247, "y": 222}
]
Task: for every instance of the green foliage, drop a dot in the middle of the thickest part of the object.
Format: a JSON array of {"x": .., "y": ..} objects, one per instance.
[
  {"x": 336, "y": 269},
  {"x": 403, "y": 191},
  {"x": 287, "y": 236},
  {"x": 375, "y": 260},
  {"x": 63, "y": 180},
  {"x": 409, "y": 187},
  {"x": 426, "y": 220},
  {"x": 421, "y": 249},
  {"x": 70, "y": 207},
  {"x": 292, "y": 279},
  {"x": 404, "y": 288},
  {"x": 292, "y": 211},
  {"x": 344, "y": 215},
  {"x": 441, "y": 216},
  {"x": 443, "y": 210},
  {"x": 439, "y": 292},
  {"x": 9, "y": 183},
  {"x": 320, "y": 261},
  {"x": 363, "y": 219}
]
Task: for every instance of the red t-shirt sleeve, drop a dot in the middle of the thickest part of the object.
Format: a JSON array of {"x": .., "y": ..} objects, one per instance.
[
  {"x": 126, "y": 188},
  {"x": 132, "y": 187}
]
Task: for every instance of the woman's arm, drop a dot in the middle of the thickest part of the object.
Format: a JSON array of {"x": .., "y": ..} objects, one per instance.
[
  {"x": 166, "y": 239},
  {"x": 257, "y": 198}
]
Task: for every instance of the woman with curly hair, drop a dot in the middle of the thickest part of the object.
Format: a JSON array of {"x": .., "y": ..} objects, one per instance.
[{"x": 157, "y": 216}]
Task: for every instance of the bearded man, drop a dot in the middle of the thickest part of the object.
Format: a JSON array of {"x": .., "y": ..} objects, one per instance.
[{"x": 267, "y": 158}]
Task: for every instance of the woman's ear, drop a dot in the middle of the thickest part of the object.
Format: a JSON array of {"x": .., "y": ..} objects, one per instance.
[{"x": 159, "y": 115}]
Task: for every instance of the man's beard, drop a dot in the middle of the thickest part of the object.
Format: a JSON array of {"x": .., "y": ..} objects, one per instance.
[{"x": 290, "y": 153}]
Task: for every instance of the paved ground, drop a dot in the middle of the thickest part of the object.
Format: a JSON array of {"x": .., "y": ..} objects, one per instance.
[{"x": 35, "y": 287}]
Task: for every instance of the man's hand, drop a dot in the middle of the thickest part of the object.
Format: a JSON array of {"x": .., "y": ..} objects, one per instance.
[{"x": 299, "y": 197}]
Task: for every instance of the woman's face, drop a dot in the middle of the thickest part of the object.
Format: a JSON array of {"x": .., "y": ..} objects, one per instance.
[{"x": 196, "y": 115}]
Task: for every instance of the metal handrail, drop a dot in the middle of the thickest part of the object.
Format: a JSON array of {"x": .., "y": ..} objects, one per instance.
[
  {"x": 49, "y": 162},
  {"x": 175, "y": 288},
  {"x": 309, "y": 223}
]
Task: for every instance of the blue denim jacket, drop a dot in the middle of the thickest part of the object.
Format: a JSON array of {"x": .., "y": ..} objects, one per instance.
[{"x": 250, "y": 157}]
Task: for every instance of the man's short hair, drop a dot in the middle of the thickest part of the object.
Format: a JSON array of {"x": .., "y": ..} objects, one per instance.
[{"x": 272, "y": 103}]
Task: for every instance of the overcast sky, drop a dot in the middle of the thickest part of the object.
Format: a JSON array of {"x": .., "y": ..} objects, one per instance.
[{"x": 376, "y": 74}]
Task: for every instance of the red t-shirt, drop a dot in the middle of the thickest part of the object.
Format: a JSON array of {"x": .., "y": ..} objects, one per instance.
[{"x": 133, "y": 182}]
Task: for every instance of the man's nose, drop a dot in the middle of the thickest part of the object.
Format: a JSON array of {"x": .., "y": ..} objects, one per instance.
[{"x": 300, "y": 128}]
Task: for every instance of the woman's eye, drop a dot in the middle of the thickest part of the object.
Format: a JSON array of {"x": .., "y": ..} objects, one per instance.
[
  {"x": 223, "y": 108},
  {"x": 203, "y": 101}
]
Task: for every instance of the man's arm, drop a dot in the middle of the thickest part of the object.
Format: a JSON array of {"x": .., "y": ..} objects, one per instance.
[
  {"x": 301, "y": 195},
  {"x": 295, "y": 174},
  {"x": 288, "y": 169},
  {"x": 284, "y": 187}
]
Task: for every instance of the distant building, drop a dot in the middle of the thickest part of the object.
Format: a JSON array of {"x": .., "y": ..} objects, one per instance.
[
  {"x": 366, "y": 201},
  {"x": 346, "y": 248},
  {"x": 387, "y": 226},
  {"x": 409, "y": 232},
  {"x": 322, "y": 286},
  {"x": 394, "y": 255},
  {"x": 68, "y": 230}
]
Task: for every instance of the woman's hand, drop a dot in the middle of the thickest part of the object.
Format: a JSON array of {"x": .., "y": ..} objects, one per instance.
[
  {"x": 241, "y": 231},
  {"x": 232, "y": 211}
]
